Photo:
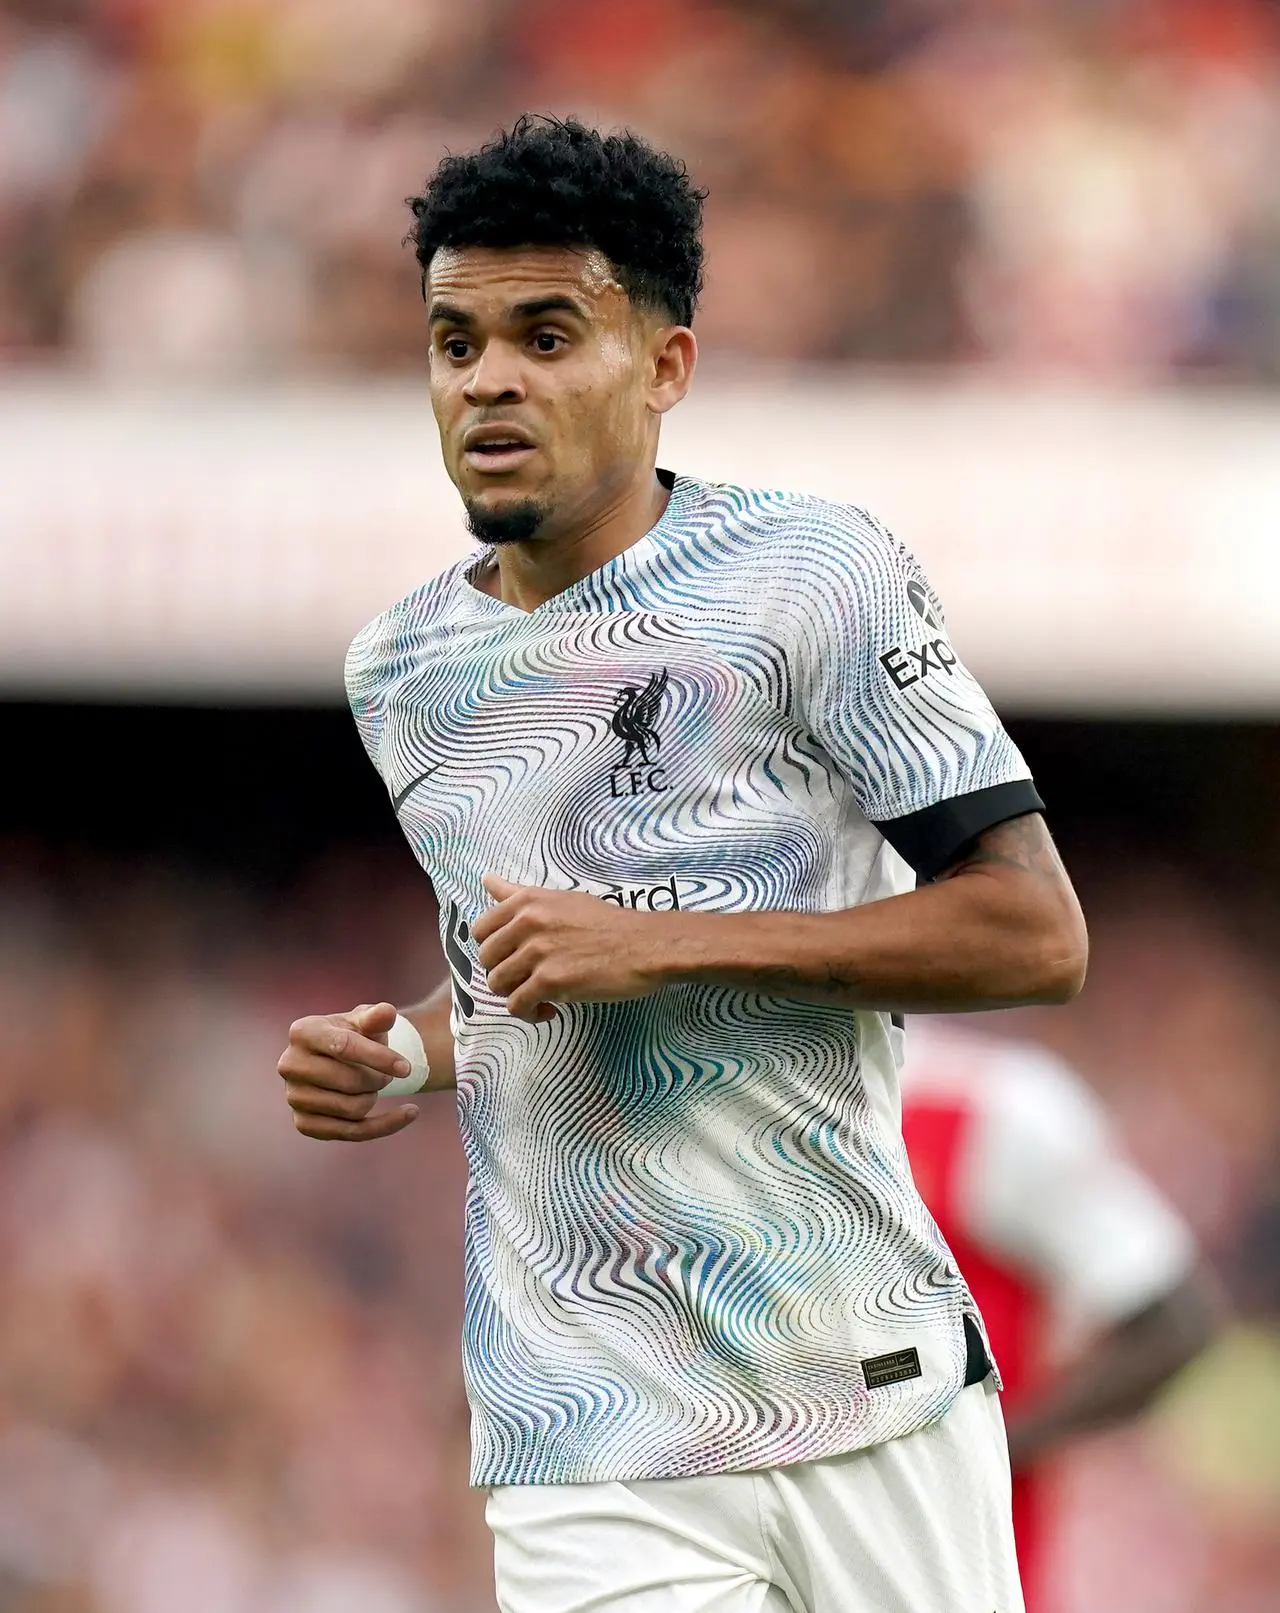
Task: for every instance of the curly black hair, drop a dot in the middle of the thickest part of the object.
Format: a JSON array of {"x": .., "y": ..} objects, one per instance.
[{"x": 554, "y": 182}]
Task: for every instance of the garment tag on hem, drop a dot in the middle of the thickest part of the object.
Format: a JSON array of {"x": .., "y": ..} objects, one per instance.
[{"x": 896, "y": 1367}]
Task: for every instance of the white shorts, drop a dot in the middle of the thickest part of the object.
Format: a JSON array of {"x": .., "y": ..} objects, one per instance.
[{"x": 917, "y": 1525}]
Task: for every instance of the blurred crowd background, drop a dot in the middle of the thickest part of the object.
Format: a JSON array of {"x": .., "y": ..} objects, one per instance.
[
  {"x": 229, "y": 1373},
  {"x": 228, "y": 1358},
  {"x": 215, "y": 187}
]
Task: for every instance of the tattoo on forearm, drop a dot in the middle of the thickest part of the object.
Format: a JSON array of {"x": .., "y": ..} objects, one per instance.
[
  {"x": 783, "y": 978},
  {"x": 1023, "y": 843}
]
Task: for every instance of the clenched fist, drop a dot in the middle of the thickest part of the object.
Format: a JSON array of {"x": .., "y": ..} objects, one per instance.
[
  {"x": 334, "y": 1068},
  {"x": 542, "y": 947}
]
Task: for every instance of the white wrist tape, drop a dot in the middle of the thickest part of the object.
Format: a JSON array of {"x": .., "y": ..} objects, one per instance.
[{"x": 403, "y": 1038}]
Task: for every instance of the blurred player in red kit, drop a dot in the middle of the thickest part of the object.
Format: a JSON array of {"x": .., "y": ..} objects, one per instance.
[{"x": 1053, "y": 1228}]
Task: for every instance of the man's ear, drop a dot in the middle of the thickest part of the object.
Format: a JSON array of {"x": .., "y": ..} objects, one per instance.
[{"x": 674, "y": 359}]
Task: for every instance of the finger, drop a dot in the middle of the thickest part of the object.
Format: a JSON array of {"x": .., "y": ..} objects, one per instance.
[
  {"x": 511, "y": 973},
  {"x": 374, "y": 1019},
  {"x": 305, "y": 1099},
  {"x": 330, "y": 1129},
  {"x": 500, "y": 946},
  {"x": 491, "y": 921},
  {"x": 332, "y": 1038},
  {"x": 527, "y": 1002},
  {"x": 533, "y": 1012},
  {"x": 330, "y": 1075},
  {"x": 500, "y": 888}
]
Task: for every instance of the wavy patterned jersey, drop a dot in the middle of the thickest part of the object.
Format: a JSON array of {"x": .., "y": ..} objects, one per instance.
[{"x": 693, "y": 1243}]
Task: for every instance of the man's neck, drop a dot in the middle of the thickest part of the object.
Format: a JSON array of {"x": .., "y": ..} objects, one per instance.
[{"x": 528, "y": 574}]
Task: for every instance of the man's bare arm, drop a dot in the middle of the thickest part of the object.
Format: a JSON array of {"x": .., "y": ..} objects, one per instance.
[
  {"x": 1120, "y": 1373},
  {"x": 336, "y": 1065},
  {"x": 1000, "y": 927}
]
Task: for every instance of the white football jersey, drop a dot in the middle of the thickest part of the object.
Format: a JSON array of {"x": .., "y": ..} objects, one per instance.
[{"x": 693, "y": 1243}]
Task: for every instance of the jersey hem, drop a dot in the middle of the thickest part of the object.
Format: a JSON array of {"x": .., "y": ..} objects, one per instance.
[{"x": 840, "y": 1442}]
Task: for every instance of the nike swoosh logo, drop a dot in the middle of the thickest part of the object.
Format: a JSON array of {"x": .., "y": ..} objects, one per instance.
[{"x": 397, "y": 801}]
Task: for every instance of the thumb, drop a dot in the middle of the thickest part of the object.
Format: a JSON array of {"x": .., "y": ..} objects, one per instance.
[
  {"x": 498, "y": 887},
  {"x": 373, "y": 1019}
]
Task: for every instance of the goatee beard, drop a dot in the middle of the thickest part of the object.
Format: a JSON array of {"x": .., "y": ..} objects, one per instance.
[{"x": 513, "y": 523}]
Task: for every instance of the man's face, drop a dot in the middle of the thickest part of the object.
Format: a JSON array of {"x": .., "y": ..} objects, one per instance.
[{"x": 541, "y": 378}]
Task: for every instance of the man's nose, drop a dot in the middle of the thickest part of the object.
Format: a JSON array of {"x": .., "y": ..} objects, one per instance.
[{"x": 496, "y": 377}]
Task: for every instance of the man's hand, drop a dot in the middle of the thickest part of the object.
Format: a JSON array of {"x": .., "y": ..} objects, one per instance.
[
  {"x": 541, "y": 947},
  {"x": 333, "y": 1069}
]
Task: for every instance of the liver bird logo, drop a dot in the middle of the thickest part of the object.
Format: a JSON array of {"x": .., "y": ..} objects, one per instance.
[{"x": 635, "y": 718}]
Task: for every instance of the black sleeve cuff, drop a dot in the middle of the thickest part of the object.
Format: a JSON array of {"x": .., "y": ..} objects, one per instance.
[{"x": 930, "y": 839}]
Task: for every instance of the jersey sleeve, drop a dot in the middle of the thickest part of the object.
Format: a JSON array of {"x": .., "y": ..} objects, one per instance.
[
  {"x": 1048, "y": 1188},
  {"x": 364, "y": 682},
  {"x": 884, "y": 692}
]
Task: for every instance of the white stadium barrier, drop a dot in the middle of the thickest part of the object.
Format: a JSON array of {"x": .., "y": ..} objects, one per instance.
[{"x": 1114, "y": 553}]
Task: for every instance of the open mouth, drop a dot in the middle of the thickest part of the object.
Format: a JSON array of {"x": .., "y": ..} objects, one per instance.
[
  {"x": 502, "y": 445},
  {"x": 498, "y": 453}
]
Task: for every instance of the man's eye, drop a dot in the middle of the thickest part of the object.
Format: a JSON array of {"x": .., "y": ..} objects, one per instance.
[
  {"x": 546, "y": 341},
  {"x": 456, "y": 347}
]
